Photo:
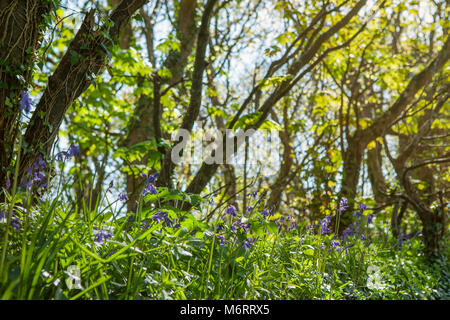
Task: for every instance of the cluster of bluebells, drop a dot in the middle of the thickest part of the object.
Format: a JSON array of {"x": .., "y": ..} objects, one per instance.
[
  {"x": 35, "y": 175},
  {"x": 163, "y": 216},
  {"x": 150, "y": 187},
  {"x": 247, "y": 244},
  {"x": 355, "y": 226},
  {"x": 73, "y": 151},
  {"x": 237, "y": 226},
  {"x": 292, "y": 223},
  {"x": 211, "y": 200},
  {"x": 403, "y": 236},
  {"x": 354, "y": 229},
  {"x": 25, "y": 102},
  {"x": 266, "y": 213},
  {"x": 222, "y": 240},
  {"x": 343, "y": 205},
  {"x": 123, "y": 196},
  {"x": 102, "y": 235},
  {"x": 325, "y": 225},
  {"x": 15, "y": 221},
  {"x": 231, "y": 210},
  {"x": 288, "y": 222}
]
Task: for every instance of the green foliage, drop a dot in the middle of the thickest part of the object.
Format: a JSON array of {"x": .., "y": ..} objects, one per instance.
[{"x": 149, "y": 259}]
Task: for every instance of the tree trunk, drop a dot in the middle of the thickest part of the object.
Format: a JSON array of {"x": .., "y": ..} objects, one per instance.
[{"x": 22, "y": 28}]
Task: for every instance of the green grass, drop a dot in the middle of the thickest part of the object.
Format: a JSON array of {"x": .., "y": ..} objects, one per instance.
[{"x": 145, "y": 259}]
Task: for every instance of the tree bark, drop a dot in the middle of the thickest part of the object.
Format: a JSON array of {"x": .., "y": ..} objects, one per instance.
[
  {"x": 20, "y": 38},
  {"x": 70, "y": 79}
]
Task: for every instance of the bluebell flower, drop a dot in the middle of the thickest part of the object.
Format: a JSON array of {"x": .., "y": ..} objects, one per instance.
[
  {"x": 370, "y": 218},
  {"x": 343, "y": 204},
  {"x": 123, "y": 196},
  {"x": 245, "y": 226},
  {"x": 222, "y": 240},
  {"x": 61, "y": 156},
  {"x": 293, "y": 226},
  {"x": 150, "y": 178},
  {"x": 247, "y": 244},
  {"x": 324, "y": 226},
  {"x": 15, "y": 221},
  {"x": 160, "y": 216},
  {"x": 231, "y": 210},
  {"x": 150, "y": 188},
  {"x": 39, "y": 163},
  {"x": 74, "y": 151},
  {"x": 267, "y": 213},
  {"x": 25, "y": 102},
  {"x": 348, "y": 232},
  {"x": 335, "y": 244},
  {"x": 38, "y": 176},
  {"x": 220, "y": 227},
  {"x": 102, "y": 236},
  {"x": 8, "y": 184},
  {"x": 362, "y": 207}
]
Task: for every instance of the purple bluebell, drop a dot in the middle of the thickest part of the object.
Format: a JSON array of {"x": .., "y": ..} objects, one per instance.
[
  {"x": 343, "y": 204},
  {"x": 25, "y": 102},
  {"x": 61, "y": 156},
  {"x": 370, "y": 218},
  {"x": 123, "y": 196},
  {"x": 293, "y": 226},
  {"x": 267, "y": 213},
  {"x": 222, "y": 240},
  {"x": 247, "y": 244},
  {"x": 160, "y": 216},
  {"x": 335, "y": 244},
  {"x": 324, "y": 226},
  {"x": 245, "y": 226},
  {"x": 348, "y": 232},
  {"x": 150, "y": 188},
  {"x": 102, "y": 236},
  {"x": 151, "y": 178},
  {"x": 231, "y": 210},
  {"x": 74, "y": 151}
]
